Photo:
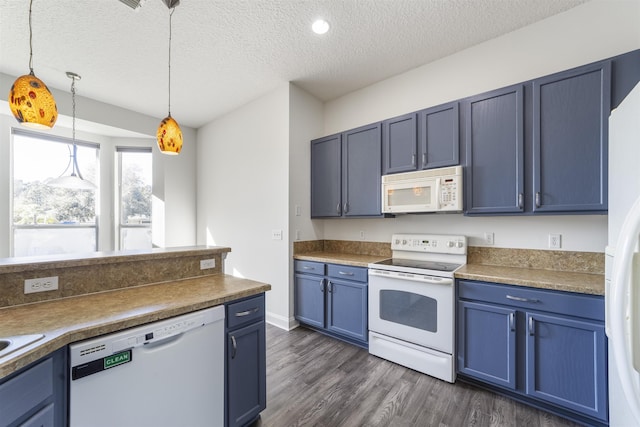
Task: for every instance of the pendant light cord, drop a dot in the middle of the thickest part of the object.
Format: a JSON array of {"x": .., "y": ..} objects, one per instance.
[
  {"x": 76, "y": 169},
  {"x": 170, "y": 15},
  {"x": 30, "y": 41}
]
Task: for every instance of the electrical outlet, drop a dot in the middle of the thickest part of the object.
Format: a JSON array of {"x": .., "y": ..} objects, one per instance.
[
  {"x": 361, "y": 234},
  {"x": 298, "y": 210},
  {"x": 276, "y": 234},
  {"x": 41, "y": 284},
  {"x": 207, "y": 263},
  {"x": 297, "y": 234},
  {"x": 488, "y": 238},
  {"x": 555, "y": 241}
]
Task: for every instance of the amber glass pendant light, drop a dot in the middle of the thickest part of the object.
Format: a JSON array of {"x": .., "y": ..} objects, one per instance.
[
  {"x": 30, "y": 100},
  {"x": 169, "y": 135}
]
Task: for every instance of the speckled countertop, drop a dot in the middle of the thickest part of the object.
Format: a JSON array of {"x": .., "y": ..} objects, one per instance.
[
  {"x": 356, "y": 260},
  {"x": 568, "y": 281},
  {"x": 76, "y": 318}
]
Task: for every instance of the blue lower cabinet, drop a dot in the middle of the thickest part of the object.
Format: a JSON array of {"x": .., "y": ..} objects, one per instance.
[
  {"x": 246, "y": 368},
  {"x": 490, "y": 356},
  {"x": 567, "y": 363},
  {"x": 332, "y": 299},
  {"x": 37, "y": 394},
  {"x": 347, "y": 308},
  {"x": 555, "y": 359},
  {"x": 309, "y": 299}
]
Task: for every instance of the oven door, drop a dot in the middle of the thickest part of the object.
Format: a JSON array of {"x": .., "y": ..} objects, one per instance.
[{"x": 413, "y": 308}]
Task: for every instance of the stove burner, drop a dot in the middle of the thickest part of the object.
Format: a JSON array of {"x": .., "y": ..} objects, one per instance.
[{"x": 424, "y": 265}]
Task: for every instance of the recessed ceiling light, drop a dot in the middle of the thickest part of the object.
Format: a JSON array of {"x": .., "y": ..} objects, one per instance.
[{"x": 320, "y": 26}]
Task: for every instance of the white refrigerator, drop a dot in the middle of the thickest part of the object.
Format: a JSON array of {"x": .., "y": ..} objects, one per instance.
[{"x": 622, "y": 291}]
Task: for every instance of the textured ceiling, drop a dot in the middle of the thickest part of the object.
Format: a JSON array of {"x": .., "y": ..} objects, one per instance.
[{"x": 228, "y": 52}]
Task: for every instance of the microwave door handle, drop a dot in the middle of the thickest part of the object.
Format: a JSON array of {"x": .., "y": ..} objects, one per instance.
[{"x": 438, "y": 195}]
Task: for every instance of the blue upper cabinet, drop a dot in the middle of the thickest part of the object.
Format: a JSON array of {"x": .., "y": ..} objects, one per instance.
[
  {"x": 570, "y": 135},
  {"x": 361, "y": 171},
  {"x": 439, "y": 136},
  {"x": 400, "y": 144},
  {"x": 346, "y": 171},
  {"x": 422, "y": 140},
  {"x": 494, "y": 140},
  {"x": 326, "y": 178}
]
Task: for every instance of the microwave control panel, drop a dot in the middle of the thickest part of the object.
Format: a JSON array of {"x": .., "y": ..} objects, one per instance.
[{"x": 449, "y": 194}]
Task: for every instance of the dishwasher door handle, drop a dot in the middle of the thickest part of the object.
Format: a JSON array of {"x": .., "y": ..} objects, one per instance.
[
  {"x": 234, "y": 347},
  {"x": 161, "y": 342}
]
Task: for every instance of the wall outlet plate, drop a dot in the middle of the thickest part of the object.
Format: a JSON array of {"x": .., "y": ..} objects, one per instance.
[
  {"x": 488, "y": 238},
  {"x": 207, "y": 263},
  {"x": 276, "y": 234},
  {"x": 41, "y": 284},
  {"x": 555, "y": 241}
]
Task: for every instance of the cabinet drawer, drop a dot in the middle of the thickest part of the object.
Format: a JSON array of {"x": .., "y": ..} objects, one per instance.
[
  {"x": 567, "y": 303},
  {"x": 246, "y": 311},
  {"x": 309, "y": 267},
  {"x": 22, "y": 393},
  {"x": 44, "y": 418},
  {"x": 347, "y": 272}
]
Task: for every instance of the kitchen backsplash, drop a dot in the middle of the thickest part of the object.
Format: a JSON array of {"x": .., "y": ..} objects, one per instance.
[{"x": 105, "y": 273}]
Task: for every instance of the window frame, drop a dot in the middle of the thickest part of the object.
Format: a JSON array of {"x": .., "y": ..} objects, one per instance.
[
  {"x": 61, "y": 140},
  {"x": 117, "y": 214}
]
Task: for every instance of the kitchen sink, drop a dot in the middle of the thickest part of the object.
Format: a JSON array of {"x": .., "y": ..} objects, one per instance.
[{"x": 11, "y": 344}]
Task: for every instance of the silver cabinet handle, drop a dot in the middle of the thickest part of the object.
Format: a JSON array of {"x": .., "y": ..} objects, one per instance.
[
  {"x": 538, "y": 202},
  {"x": 512, "y": 298},
  {"x": 338, "y": 208},
  {"x": 424, "y": 159},
  {"x": 346, "y": 207},
  {"x": 306, "y": 267},
  {"x": 247, "y": 312},
  {"x": 512, "y": 321},
  {"x": 413, "y": 160},
  {"x": 520, "y": 200},
  {"x": 345, "y": 273},
  {"x": 531, "y": 331},
  {"x": 330, "y": 286},
  {"x": 321, "y": 285},
  {"x": 234, "y": 347}
]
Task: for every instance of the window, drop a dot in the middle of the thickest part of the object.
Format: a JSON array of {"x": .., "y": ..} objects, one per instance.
[
  {"x": 48, "y": 220},
  {"x": 134, "y": 198}
]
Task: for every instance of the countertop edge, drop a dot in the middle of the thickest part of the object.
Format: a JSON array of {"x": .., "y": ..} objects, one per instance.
[{"x": 56, "y": 339}]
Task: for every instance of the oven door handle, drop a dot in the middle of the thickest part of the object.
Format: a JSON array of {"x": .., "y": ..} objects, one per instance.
[{"x": 412, "y": 277}]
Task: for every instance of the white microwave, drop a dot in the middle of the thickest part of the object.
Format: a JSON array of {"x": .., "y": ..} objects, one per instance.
[{"x": 431, "y": 190}]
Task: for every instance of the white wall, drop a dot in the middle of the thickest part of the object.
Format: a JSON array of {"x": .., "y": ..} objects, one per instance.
[
  {"x": 174, "y": 176},
  {"x": 243, "y": 193},
  {"x": 590, "y": 32},
  {"x": 305, "y": 124}
]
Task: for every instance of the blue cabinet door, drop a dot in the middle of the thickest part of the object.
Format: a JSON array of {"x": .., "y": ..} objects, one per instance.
[
  {"x": 326, "y": 177},
  {"x": 494, "y": 146},
  {"x": 566, "y": 363},
  {"x": 487, "y": 343},
  {"x": 347, "y": 312},
  {"x": 246, "y": 381},
  {"x": 400, "y": 144},
  {"x": 309, "y": 299},
  {"x": 362, "y": 171},
  {"x": 439, "y": 136},
  {"x": 570, "y": 140}
]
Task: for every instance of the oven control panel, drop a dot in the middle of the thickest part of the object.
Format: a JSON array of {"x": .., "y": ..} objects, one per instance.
[{"x": 432, "y": 243}]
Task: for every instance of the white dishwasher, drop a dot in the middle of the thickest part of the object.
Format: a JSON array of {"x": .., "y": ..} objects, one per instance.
[{"x": 167, "y": 373}]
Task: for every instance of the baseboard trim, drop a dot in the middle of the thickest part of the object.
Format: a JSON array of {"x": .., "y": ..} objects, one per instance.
[{"x": 281, "y": 322}]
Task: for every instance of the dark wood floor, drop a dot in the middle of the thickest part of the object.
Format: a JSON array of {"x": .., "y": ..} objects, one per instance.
[{"x": 314, "y": 380}]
